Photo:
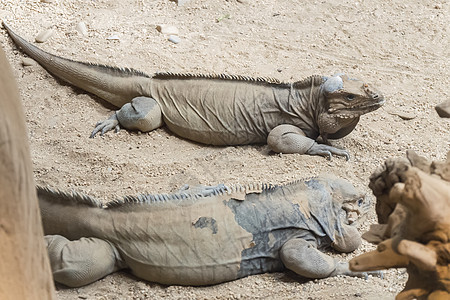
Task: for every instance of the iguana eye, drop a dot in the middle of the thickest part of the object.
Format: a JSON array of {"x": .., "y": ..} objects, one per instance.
[
  {"x": 360, "y": 201},
  {"x": 350, "y": 97}
]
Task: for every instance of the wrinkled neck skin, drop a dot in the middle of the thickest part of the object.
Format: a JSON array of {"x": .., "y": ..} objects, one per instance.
[
  {"x": 330, "y": 126},
  {"x": 305, "y": 106},
  {"x": 346, "y": 238}
]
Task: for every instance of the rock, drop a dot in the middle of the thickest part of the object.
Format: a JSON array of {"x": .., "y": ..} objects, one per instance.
[
  {"x": 181, "y": 2},
  {"x": 402, "y": 114},
  {"x": 113, "y": 37},
  {"x": 81, "y": 28},
  {"x": 44, "y": 35},
  {"x": 174, "y": 39},
  {"x": 167, "y": 29},
  {"x": 443, "y": 109},
  {"x": 26, "y": 62},
  {"x": 406, "y": 115}
]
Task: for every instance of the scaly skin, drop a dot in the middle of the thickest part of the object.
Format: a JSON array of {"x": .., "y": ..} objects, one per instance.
[
  {"x": 222, "y": 109},
  {"x": 206, "y": 236}
]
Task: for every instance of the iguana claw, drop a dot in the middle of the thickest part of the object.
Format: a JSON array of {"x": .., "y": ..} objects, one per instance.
[
  {"x": 106, "y": 125},
  {"x": 327, "y": 151}
]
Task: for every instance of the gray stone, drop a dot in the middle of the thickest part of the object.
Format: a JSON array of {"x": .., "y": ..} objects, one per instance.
[
  {"x": 113, "y": 37},
  {"x": 181, "y": 2},
  {"x": 174, "y": 39},
  {"x": 443, "y": 109},
  {"x": 44, "y": 35},
  {"x": 81, "y": 28},
  {"x": 167, "y": 29},
  {"x": 26, "y": 62}
]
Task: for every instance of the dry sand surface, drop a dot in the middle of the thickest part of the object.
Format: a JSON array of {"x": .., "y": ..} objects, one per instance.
[{"x": 402, "y": 47}]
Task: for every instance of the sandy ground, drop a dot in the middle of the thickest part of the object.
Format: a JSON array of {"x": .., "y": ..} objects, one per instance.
[{"x": 402, "y": 47}]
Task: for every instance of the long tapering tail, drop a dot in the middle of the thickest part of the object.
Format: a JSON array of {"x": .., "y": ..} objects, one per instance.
[{"x": 115, "y": 85}]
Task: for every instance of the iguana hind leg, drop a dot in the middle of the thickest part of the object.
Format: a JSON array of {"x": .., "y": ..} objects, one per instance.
[
  {"x": 306, "y": 260},
  {"x": 291, "y": 139},
  {"x": 142, "y": 113},
  {"x": 80, "y": 262}
]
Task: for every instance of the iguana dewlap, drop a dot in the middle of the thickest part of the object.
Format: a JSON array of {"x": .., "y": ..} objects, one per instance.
[
  {"x": 222, "y": 109},
  {"x": 203, "y": 237}
]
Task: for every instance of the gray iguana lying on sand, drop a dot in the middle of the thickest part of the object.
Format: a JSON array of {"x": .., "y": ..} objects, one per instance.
[
  {"x": 222, "y": 109},
  {"x": 204, "y": 237}
]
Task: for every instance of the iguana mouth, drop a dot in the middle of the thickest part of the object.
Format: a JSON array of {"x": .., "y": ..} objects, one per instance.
[
  {"x": 356, "y": 110},
  {"x": 356, "y": 210}
]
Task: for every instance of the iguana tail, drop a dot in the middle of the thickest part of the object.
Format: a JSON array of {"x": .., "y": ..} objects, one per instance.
[
  {"x": 70, "y": 214},
  {"x": 115, "y": 85}
]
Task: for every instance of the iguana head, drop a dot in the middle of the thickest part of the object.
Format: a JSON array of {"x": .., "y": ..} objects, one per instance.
[
  {"x": 351, "y": 204},
  {"x": 350, "y": 98},
  {"x": 356, "y": 208}
]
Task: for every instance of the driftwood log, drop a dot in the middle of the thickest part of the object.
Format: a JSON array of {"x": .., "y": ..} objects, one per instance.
[
  {"x": 413, "y": 209},
  {"x": 24, "y": 267}
]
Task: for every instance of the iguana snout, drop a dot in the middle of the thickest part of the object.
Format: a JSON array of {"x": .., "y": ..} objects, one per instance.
[
  {"x": 356, "y": 208},
  {"x": 352, "y": 98}
]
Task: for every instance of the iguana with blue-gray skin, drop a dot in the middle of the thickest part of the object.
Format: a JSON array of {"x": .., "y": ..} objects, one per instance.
[
  {"x": 204, "y": 236},
  {"x": 222, "y": 109}
]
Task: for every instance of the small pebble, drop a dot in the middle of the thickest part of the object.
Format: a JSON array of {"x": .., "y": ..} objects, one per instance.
[
  {"x": 26, "y": 62},
  {"x": 403, "y": 114},
  {"x": 167, "y": 29},
  {"x": 81, "y": 28},
  {"x": 44, "y": 35},
  {"x": 174, "y": 39},
  {"x": 181, "y": 2},
  {"x": 48, "y": 1},
  {"x": 443, "y": 109},
  {"x": 113, "y": 37}
]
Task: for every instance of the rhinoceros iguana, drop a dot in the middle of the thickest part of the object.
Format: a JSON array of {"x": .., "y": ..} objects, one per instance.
[
  {"x": 222, "y": 109},
  {"x": 204, "y": 237}
]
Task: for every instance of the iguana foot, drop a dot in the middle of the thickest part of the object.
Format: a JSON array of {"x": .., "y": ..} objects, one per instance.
[
  {"x": 142, "y": 113},
  {"x": 327, "y": 151},
  {"x": 342, "y": 268},
  {"x": 106, "y": 125}
]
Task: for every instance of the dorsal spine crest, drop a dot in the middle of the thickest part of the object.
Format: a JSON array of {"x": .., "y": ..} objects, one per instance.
[
  {"x": 234, "y": 191},
  {"x": 170, "y": 75},
  {"x": 313, "y": 80}
]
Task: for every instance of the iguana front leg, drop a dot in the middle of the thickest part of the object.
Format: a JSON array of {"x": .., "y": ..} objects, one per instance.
[
  {"x": 142, "y": 113},
  {"x": 306, "y": 260},
  {"x": 291, "y": 139},
  {"x": 80, "y": 262}
]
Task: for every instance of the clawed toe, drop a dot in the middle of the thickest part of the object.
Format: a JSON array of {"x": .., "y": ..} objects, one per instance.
[
  {"x": 105, "y": 126},
  {"x": 327, "y": 151}
]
